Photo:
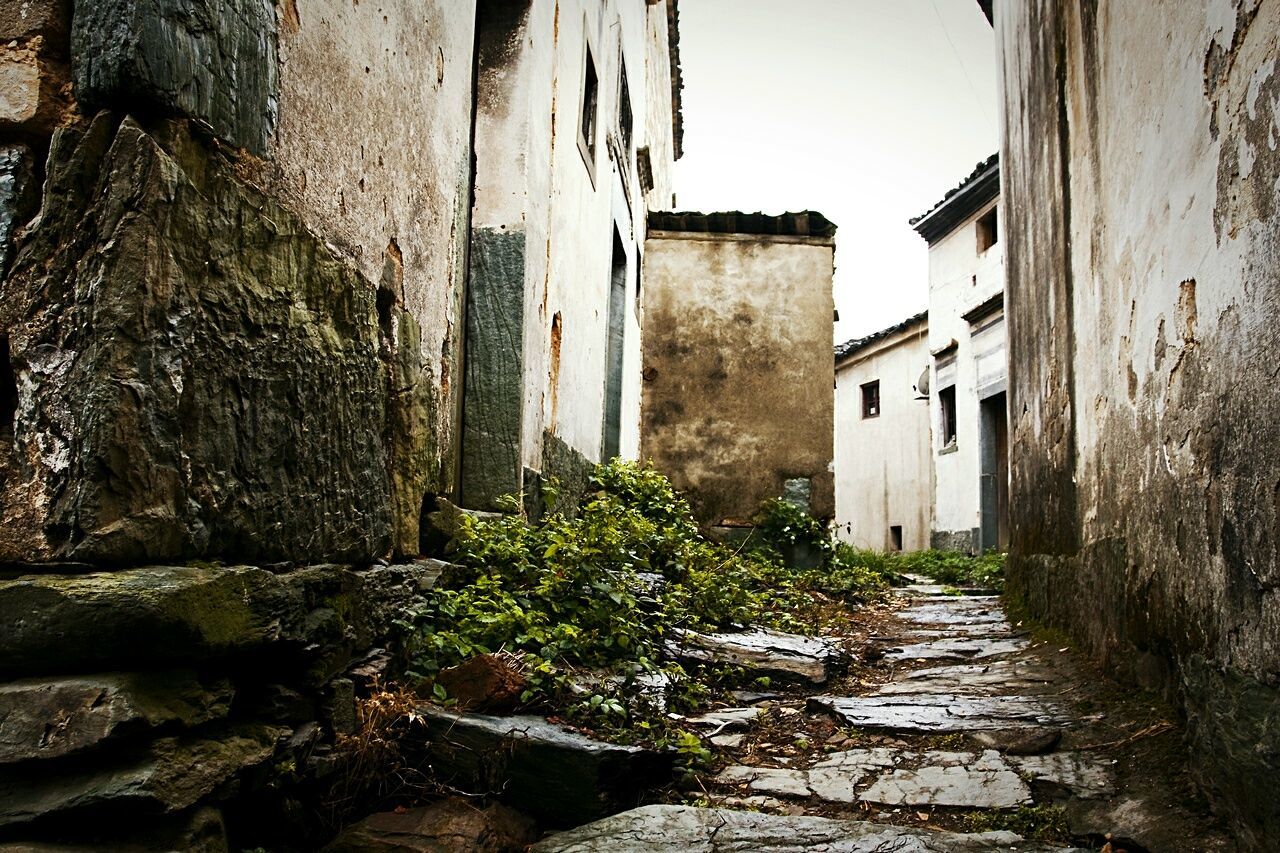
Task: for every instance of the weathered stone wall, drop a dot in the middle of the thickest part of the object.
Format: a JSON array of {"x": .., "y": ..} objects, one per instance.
[
  {"x": 196, "y": 374},
  {"x": 738, "y": 370},
  {"x": 228, "y": 328},
  {"x": 1140, "y": 165}
]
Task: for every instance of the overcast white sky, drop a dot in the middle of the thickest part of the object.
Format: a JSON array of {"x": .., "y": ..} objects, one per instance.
[{"x": 865, "y": 110}]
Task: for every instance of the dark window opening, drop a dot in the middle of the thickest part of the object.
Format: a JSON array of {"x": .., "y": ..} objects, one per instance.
[
  {"x": 871, "y": 399},
  {"x": 644, "y": 169},
  {"x": 616, "y": 333},
  {"x": 626, "y": 122},
  {"x": 590, "y": 107},
  {"x": 8, "y": 390},
  {"x": 988, "y": 230},
  {"x": 895, "y": 537},
  {"x": 947, "y": 402}
]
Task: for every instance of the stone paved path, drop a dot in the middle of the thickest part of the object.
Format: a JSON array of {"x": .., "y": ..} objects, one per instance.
[
  {"x": 975, "y": 727},
  {"x": 963, "y": 671}
]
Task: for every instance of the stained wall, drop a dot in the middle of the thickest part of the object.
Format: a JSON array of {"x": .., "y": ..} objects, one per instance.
[
  {"x": 738, "y": 373},
  {"x": 1139, "y": 165}
]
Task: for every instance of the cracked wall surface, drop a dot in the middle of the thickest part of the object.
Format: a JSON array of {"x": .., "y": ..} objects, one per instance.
[{"x": 1140, "y": 163}]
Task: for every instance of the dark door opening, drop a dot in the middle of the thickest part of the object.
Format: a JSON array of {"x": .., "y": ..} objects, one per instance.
[
  {"x": 994, "y": 452},
  {"x": 617, "y": 332},
  {"x": 895, "y": 537}
]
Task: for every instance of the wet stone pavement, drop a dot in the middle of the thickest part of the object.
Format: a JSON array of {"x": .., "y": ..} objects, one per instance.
[{"x": 954, "y": 730}]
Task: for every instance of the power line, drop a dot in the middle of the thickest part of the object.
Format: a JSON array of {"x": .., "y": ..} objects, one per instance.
[{"x": 964, "y": 70}]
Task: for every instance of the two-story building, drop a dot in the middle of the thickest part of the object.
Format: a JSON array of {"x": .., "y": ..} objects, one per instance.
[
  {"x": 968, "y": 364},
  {"x": 884, "y": 465}
]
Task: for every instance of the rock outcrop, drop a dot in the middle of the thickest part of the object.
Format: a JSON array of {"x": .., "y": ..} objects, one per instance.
[{"x": 197, "y": 374}]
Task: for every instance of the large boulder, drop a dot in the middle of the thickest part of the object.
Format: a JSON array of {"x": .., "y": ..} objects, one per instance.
[
  {"x": 214, "y": 60},
  {"x": 198, "y": 375},
  {"x": 50, "y": 718}
]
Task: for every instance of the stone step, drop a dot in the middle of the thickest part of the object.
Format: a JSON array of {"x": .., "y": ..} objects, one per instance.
[
  {"x": 686, "y": 829},
  {"x": 551, "y": 773},
  {"x": 980, "y": 679},
  {"x": 939, "y": 714},
  {"x": 776, "y": 654},
  {"x": 957, "y": 648},
  {"x": 985, "y": 780}
]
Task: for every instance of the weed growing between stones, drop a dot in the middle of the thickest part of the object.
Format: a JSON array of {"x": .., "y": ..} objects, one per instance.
[
  {"x": 952, "y": 567},
  {"x": 590, "y": 602},
  {"x": 371, "y": 761},
  {"x": 1039, "y": 822}
]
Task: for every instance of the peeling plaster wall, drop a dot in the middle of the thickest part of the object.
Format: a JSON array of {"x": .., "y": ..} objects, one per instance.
[
  {"x": 960, "y": 279},
  {"x": 738, "y": 371},
  {"x": 1140, "y": 168},
  {"x": 373, "y": 151},
  {"x": 884, "y": 473},
  {"x": 582, "y": 214},
  {"x": 533, "y": 179}
]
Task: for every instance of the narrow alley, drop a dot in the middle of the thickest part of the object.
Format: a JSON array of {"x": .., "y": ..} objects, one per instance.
[
  {"x": 958, "y": 731},
  {"x": 436, "y": 426}
]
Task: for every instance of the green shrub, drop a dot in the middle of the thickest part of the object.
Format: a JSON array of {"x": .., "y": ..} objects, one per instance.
[
  {"x": 604, "y": 590},
  {"x": 952, "y": 567}
]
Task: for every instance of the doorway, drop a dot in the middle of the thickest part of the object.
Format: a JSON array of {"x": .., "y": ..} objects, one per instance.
[
  {"x": 611, "y": 445},
  {"x": 994, "y": 475}
]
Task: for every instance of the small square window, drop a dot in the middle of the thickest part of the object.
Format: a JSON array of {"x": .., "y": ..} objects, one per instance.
[
  {"x": 988, "y": 230},
  {"x": 947, "y": 403},
  {"x": 871, "y": 399}
]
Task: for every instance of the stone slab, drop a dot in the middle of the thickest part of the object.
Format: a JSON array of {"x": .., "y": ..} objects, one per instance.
[
  {"x": 50, "y": 718},
  {"x": 213, "y": 60},
  {"x": 957, "y": 648},
  {"x": 168, "y": 775},
  {"x": 553, "y": 774},
  {"x": 957, "y": 779},
  {"x": 955, "y": 611},
  {"x": 727, "y": 718},
  {"x": 939, "y": 714},
  {"x": 767, "y": 652},
  {"x": 686, "y": 829},
  {"x": 990, "y": 678},
  {"x": 167, "y": 615},
  {"x": 1081, "y": 774}
]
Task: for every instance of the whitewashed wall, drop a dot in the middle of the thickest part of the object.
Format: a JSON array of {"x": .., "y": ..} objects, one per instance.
[
  {"x": 884, "y": 470},
  {"x": 960, "y": 279}
]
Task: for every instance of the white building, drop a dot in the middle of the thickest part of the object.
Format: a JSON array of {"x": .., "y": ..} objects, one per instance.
[
  {"x": 577, "y": 128},
  {"x": 967, "y": 346},
  {"x": 884, "y": 473}
]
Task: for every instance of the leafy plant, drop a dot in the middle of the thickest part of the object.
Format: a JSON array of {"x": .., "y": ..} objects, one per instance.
[{"x": 591, "y": 600}]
